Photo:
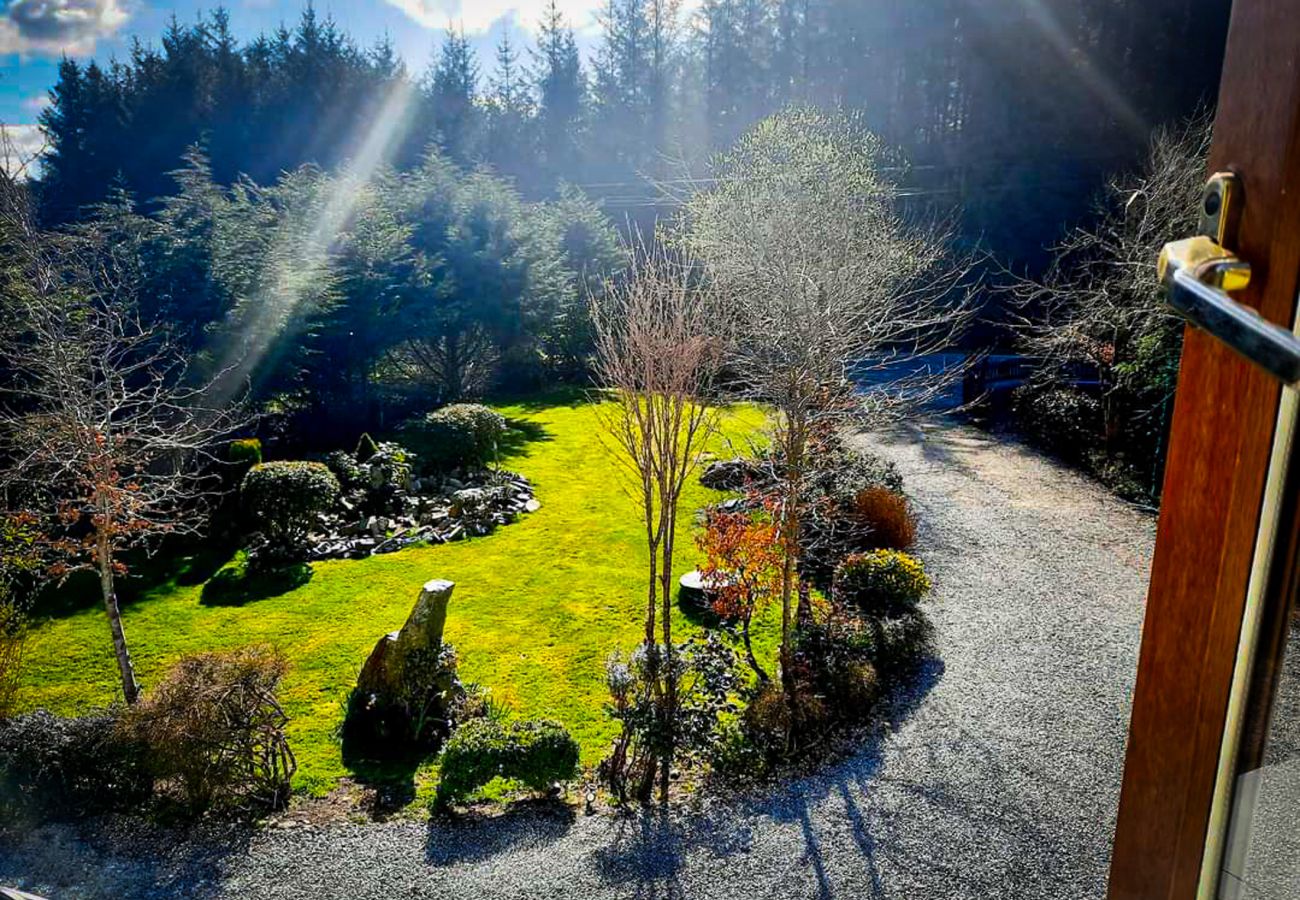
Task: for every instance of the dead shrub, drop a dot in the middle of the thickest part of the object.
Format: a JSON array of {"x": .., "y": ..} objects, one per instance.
[
  {"x": 215, "y": 731},
  {"x": 886, "y": 519}
]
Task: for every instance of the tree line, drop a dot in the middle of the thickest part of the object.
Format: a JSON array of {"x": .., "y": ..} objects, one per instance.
[{"x": 1011, "y": 111}]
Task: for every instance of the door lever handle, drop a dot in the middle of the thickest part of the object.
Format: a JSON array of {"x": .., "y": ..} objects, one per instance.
[{"x": 1197, "y": 273}]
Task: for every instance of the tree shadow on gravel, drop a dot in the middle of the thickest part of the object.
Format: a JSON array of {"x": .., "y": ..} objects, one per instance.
[
  {"x": 122, "y": 857},
  {"x": 648, "y": 849},
  {"x": 992, "y": 827},
  {"x": 529, "y": 824},
  {"x": 943, "y": 442}
]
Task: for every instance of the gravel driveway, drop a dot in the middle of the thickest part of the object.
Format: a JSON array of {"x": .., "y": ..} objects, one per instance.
[{"x": 999, "y": 776}]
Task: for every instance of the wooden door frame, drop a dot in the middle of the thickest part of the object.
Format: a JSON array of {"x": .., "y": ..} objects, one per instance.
[{"x": 1222, "y": 437}]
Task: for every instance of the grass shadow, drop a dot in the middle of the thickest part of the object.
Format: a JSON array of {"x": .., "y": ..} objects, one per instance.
[
  {"x": 182, "y": 566},
  {"x": 236, "y": 585},
  {"x": 571, "y": 396},
  {"x": 520, "y": 434}
]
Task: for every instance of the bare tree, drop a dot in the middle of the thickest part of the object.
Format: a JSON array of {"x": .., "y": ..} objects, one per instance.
[
  {"x": 658, "y": 352},
  {"x": 828, "y": 287},
  {"x": 1098, "y": 307},
  {"x": 104, "y": 439}
]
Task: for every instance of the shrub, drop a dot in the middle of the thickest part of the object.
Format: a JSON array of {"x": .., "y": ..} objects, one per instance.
[
  {"x": 71, "y": 767},
  {"x": 1063, "y": 420},
  {"x": 461, "y": 435},
  {"x": 777, "y": 728},
  {"x": 537, "y": 753},
  {"x": 881, "y": 582},
  {"x": 832, "y": 528},
  {"x": 901, "y": 640},
  {"x": 345, "y": 468},
  {"x": 366, "y": 448},
  {"x": 215, "y": 730},
  {"x": 411, "y": 721},
  {"x": 284, "y": 498},
  {"x": 705, "y": 675},
  {"x": 245, "y": 452},
  {"x": 836, "y": 659},
  {"x": 885, "y": 519}
]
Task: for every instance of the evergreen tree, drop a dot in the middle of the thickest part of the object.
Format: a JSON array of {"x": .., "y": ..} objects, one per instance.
[
  {"x": 453, "y": 89},
  {"x": 510, "y": 124},
  {"x": 620, "y": 91},
  {"x": 561, "y": 90}
]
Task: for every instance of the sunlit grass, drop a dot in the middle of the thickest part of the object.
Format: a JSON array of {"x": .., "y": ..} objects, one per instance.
[{"x": 537, "y": 607}]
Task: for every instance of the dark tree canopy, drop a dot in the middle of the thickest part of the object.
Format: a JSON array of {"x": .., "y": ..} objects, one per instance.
[{"x": 1013, "y": 111}]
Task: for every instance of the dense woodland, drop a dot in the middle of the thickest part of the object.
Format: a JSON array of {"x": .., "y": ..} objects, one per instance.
[{"x": 1010, "y": 111}]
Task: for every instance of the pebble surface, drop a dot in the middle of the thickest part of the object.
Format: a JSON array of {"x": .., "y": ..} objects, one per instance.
[{"x": 997, "y": 777}]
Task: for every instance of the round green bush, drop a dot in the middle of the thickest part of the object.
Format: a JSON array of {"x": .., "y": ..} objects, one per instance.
[
  {"x": 538, "y": 753},
  {"x": 882, "y": 582},
  {"x": 460, "y": 435},
  {"x": 284, "y": 499},
  {"x": 245, "y": 452}
]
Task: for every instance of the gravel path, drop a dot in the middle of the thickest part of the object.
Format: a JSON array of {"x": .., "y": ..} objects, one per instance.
[{"x": 999, "y": 776}]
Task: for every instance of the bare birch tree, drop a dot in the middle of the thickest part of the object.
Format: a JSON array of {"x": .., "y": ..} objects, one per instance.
[
  {"x": 104, "y": 440},
  {"x": 827, "y": 286},
  {"x": 658, "y": 351}
]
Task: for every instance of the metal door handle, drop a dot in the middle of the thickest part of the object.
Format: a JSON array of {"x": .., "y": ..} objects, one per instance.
[{"x": 1197, "y": 273}]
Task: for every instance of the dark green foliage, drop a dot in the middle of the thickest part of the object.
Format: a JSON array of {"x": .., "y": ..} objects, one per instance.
[
  {"x": 460, "y": 435},
  {"x": 705, "y": 675},
  {"x": 245, "y": 452},
  {"x": 71, "y": 767},
  {"x": 537, "y": 753},
  {"x": 345, "y": 468},
  {"x": 366, "y": 448},
  {"x": 284, "y": 498},
  {"x": 881, "y": 582},
  {"x": 901, "y": 641},
  {"x": 413, "y": 722},
  {"x": 836, "y": 659},
  {"x": 1063, "y": 420}
]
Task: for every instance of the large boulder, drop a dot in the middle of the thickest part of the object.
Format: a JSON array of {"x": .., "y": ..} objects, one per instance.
[
  {"x": 408, "y": 692},
  {"x": 422, "y": 635}
]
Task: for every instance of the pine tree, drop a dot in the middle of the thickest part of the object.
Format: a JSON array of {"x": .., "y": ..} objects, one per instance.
[
  {"x": 561, "y": 93},
  {"x": 621, "y": 95},
  {"x": 510, "y": 145},
  {"x": 453, "y": 92}
]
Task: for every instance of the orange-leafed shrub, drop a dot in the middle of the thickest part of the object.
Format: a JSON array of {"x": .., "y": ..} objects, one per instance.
[{"x": 885, "y": 518}]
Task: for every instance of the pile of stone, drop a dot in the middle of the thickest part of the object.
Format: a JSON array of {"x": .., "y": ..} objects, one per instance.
[
  {"x": 734, "y": 474},
  {"x": 435, "y": 510}
]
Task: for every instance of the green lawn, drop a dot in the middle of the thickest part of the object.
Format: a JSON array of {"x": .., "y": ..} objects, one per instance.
[{"x": 538, "y": 605}]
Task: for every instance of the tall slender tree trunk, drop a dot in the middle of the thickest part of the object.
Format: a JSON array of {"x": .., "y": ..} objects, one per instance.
[
  {"x": 130, "y": 687},
  {"x": 670, "y": 669},
  {"x": 749, "y": 649}
]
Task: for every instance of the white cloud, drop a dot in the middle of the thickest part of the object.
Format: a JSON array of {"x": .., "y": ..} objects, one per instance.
[
  {"x": 56, "y": 27},
  {"x": 36, "y": 102},
  {"x": 477, "y": 16},
  {"x": 20, "y": 149}
]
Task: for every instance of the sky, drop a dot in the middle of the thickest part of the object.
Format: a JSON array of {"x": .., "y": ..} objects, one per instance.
[{"x": 35, "y": 34}]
